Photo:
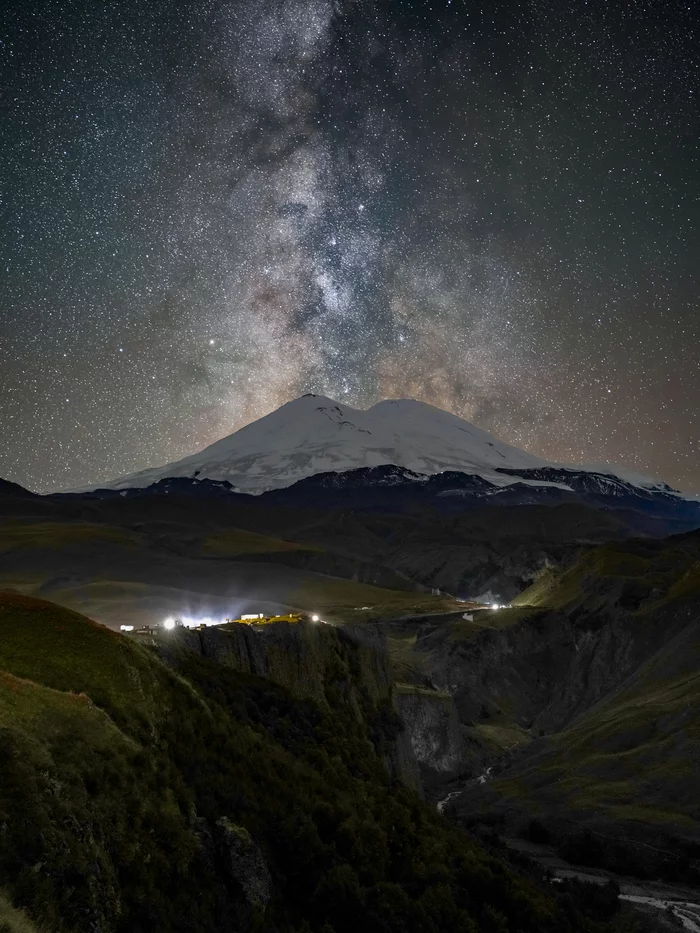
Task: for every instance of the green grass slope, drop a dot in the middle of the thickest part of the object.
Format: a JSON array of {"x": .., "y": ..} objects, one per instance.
[
  {"x": 13, "y": 920},
  {"x": 650, "y": 571},
  {"x": 235, "y": 542},
  {"x": 116, "y": 775},
  {"x": 635, "y": 756},
  {"x": 58, "y": 648},
  {"x": 16, "y": 535},
  {"x": 350, "y": 601}
]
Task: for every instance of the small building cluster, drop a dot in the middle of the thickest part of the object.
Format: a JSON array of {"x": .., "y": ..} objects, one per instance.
[{"x": 255, "y": 618}]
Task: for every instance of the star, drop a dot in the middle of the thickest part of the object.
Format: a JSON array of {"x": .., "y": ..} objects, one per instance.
[{"x": 491, "y": 211}]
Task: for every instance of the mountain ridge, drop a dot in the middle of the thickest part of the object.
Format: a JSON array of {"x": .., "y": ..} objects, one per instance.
[{"x": 396, "y": 490}]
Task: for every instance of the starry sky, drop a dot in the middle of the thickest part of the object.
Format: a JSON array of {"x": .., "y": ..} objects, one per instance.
[{"x": 209, "y": 208}]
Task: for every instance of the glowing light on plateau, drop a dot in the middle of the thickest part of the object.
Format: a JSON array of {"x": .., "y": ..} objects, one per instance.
[
  {"x": 126, "y": 628},
  {"x": 196, "y": 621},
  {"x": 187, "y": 621}
]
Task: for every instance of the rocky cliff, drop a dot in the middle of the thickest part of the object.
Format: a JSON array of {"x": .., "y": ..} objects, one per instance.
[
  {"x": 348, "y": 665},
  {"x": 586, "y": 699},
  {"x": 433, "y": 728},
  {"x": 545, "y": 667}
]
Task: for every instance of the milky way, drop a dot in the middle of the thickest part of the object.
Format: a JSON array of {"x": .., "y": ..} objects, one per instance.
[{"x": 211, "y": 208}]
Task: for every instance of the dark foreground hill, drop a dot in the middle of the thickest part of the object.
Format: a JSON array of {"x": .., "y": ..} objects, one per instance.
[{"x": 137, "y": 795}]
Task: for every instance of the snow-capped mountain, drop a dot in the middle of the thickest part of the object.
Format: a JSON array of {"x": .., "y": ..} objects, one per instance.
[
  {"x": 398, "y": 456},
  {"x": 314, "y": 435}
]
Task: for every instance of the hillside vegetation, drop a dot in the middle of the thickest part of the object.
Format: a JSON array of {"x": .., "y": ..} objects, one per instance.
[
  {"x": 137, "y": 798},
  {"x": 649, "y": 572},
  {"x": 235, "y": 542},
  {"x": 188, "y": 551}
]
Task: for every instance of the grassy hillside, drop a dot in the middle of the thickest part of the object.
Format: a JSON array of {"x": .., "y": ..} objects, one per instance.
[
  {"x": 635, "y": 756},
  {"x": 466, "y": 554},
  {"x": 134, "y": 798},
  {"x": 348, "y": 601},
  {"x": 16, "y": 535},
  {"x": 235, "y": 542},
  {"x": 478, "y": 551},
  {"x": 489, "y": 619},
  {"x": 649, "y": 571},
  {"x": 13, "y": 920},
  {"x": 62, "y": 650}
]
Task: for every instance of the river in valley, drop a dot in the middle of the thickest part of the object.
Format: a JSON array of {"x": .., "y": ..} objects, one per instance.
[{"x": 682, "y": 902}]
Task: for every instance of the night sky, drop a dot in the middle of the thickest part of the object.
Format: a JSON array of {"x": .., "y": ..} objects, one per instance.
[{"x": 209, "y": 208}]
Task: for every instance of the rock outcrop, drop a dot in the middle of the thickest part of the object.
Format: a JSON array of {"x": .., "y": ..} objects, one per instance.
[
  {"x": 433, "y": 728},
  {"x": 244, "y": 862},
  {"x": 305, "y": 658}
]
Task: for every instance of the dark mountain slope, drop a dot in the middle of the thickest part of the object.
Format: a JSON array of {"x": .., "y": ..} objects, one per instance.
[
  {"x": 656, "y": 510},
  {"x": 13, "y": 489},
  {"x": 142, "y": 572}
]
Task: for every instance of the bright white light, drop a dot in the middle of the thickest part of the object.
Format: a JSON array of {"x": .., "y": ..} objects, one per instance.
[
  {"x": 495, "y": 606},
  {"x": 127, "y": 628},
  {"x": 191, "y": 621},
  {"x": 314, "y": 618}
]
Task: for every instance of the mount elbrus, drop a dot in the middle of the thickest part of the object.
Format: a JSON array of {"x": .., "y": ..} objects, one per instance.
[{"x": 398, "y": 455}]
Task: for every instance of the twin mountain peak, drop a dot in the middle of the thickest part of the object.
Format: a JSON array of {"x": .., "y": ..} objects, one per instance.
[{"x": 314, "y": 434}]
